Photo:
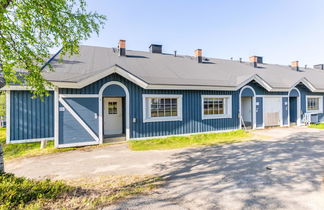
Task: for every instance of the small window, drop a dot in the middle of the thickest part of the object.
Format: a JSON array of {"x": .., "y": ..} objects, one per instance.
[
  {"x": 216, "y": 107},
  {"x": 314, "y": 104},
  {"x": 112, "y": 107},
  {"x": 162, "y": 107}
]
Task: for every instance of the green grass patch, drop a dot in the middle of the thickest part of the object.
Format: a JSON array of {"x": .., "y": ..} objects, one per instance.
[
  {"x": 318, "y": 126},
  {"x": 16, "y": 193},
  {"x": 192, "y": 140},
  {"x": 21, "y": 150},
  {"x": 83, "y": 193}
]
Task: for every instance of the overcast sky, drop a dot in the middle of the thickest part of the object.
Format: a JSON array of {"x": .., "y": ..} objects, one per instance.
[{"x": 278, "y": 30}]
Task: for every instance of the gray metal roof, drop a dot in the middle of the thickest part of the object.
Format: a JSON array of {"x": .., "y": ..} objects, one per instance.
[{"x": 166, "y": 69}]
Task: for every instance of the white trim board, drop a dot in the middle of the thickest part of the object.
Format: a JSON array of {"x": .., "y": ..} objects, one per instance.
[
  {"x": 100, "y": 110},
  {"x": 162, "y": 119},
  {"x": 56, "y": 117},
  {"x": 80, "y": 144},
  {"x": 253, "y": 106},
  {"x": 79, "y": 95},
  {"x": 320, "y": 105},
  {"x": 76, "y": 116},
  {"x": 31, "y": 140},
  {"x": 8, "y": 116},
  {"x": 227, "y": 105},
  {"x": 298, "y": 107},
  {"x": 185, "y": 134}
]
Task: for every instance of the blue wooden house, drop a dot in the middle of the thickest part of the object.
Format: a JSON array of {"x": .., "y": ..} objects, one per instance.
[{"x": 113, "y": 92}]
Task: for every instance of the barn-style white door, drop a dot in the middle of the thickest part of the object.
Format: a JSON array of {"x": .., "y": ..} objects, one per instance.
[{"x": 272, "y": 111}]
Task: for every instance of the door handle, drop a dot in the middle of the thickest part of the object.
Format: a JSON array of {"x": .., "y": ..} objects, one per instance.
[{"x": 96, "y": 116}]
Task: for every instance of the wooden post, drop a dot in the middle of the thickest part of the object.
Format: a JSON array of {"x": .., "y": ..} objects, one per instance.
[
  {"x": 1, "y": 160},
  {"x": 43, "y": 144}
]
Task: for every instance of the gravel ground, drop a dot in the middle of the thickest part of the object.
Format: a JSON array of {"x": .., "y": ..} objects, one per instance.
[
  {"x": 281, "y": 173},
  {"x": 284, "y": 172}
]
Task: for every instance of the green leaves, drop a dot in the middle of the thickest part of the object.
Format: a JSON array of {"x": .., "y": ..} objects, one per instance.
[{"x": 29, "y": 28}]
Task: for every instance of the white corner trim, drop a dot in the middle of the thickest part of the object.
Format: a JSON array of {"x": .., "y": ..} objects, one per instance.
[
  {"x": 79, "y": 95},
  {"x": 253, "y": 106},
  {"x": 227, "y": 106},
  {"x": 76, "y": 116},
  {"x": 259, "y": 80},
  {"x": 101, "y": 109},
  {"x": 298, "y": 107},
  {"x": 320, "y": 97},
  {"x": 56, "y": 118},
  {"x": 8, "y": 116},
  {"x": 307, "y": 83},
  {"x": 31, "y": 140},
  {"x": 147, "y": 118},
  {"x": 80, "y": 144}
]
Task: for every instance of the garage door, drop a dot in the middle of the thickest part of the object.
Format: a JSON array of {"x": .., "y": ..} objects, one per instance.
[{"x": 272, "y": 111}]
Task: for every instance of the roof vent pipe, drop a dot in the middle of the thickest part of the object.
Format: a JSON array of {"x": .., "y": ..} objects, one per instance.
[
  {"x": 198, "y": 55},
  {"x": 122, "y": 47},
  {"x": 295, "y": 65},
  {"x": 319, "y": 66}
]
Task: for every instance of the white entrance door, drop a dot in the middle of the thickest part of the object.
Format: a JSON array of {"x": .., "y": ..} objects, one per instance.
[
  {"x": 113, "y": 116},
  {"x": 272, "y": 111}
]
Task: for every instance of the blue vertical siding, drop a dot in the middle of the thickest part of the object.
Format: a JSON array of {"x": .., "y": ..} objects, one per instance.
[
  {"x": 31, "y": 118},
  {"x": 285, "y": 111},
  {"x": 191, "y": 108},
  {"x": 304, "y": 91},
  {"x": 259, "y": 112}
]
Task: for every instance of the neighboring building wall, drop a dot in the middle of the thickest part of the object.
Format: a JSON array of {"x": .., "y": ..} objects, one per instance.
[
  {"x": 192, "y": 117},
  {"x": 31, "y": 118},
  {"x": 304, "y": 91}
]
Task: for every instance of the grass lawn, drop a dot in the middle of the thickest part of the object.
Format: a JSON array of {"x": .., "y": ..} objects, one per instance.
[
  {"x": 319, "y": 126},
  {"x": 85, "y": 193},
  {"x": 12, "y": 151},
  {"x": 192, "y": 140}
]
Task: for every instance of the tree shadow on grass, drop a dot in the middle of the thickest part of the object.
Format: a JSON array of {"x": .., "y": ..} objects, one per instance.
[{"x": 256, "y": 174}]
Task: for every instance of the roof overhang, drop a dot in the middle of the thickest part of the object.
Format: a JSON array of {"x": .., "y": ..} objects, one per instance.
[{"x": 124, "y": 73}]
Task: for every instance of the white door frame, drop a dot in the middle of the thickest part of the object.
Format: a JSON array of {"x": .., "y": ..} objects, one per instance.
[
  {"x": 100, "y": 118},
  {"x": 253, "y": 106},
  {"x": 298, "y": 107}
]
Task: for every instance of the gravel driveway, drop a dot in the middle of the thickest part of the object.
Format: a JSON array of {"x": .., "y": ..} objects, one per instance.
[
  {"x": 284, "y": 172},
  {"x": 238, "y": 176}
]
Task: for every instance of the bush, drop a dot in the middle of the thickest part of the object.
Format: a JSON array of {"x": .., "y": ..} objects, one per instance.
[{"x": 16, "y": 192}]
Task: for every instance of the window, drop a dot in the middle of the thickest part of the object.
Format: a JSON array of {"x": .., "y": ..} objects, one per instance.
[
  {"x": 112, "y": 107},
  {"x": 162, "y": 108},
  {"x": 216, "y": 107},
  {"x": 314, "y": 104}
]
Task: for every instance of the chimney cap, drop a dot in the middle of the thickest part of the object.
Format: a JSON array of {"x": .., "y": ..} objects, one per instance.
[
  {"x": 295, "y": 64},
  {"x": 122, "y": 43},
  {"x": 256, "y": 59},
  {"x": 198, "y": 53}
]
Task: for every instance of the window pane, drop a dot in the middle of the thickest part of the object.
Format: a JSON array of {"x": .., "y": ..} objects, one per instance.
[
  {"x": 214, "y": 106},
  {"x": 313, "y": 104},
  {"x": 163, "y": 107}
]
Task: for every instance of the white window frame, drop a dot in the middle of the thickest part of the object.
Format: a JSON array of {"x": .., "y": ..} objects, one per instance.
[
  {"x": 320, "y": 105},
  {"x": 227, "y": 107},
  {"x": 147, "y": 108}
]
